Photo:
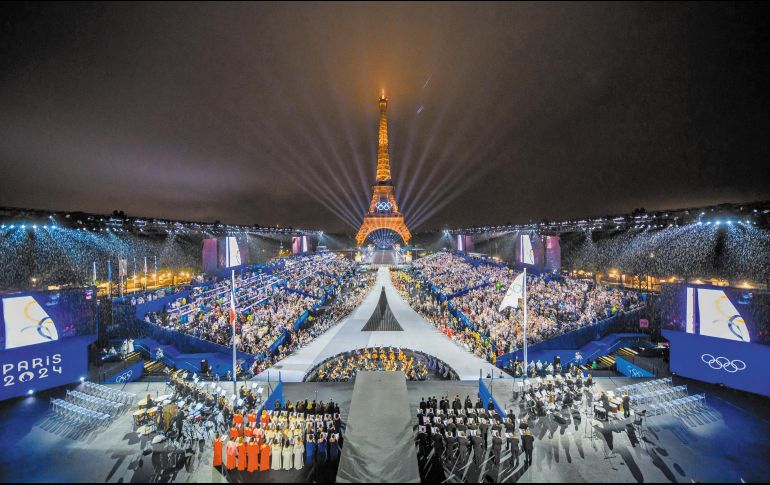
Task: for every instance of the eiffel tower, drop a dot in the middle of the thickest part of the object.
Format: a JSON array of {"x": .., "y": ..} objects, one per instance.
[{"x": 383, "y": 216}]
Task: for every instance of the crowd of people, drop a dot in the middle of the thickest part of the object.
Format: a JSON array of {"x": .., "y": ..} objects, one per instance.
[
  {"x": 457, "y": 433},
  {"x": 268, "y": 304},
  {"x": 152, "y": 295},
  {"x": 415, "y": 365},
  {"x": 733, "y": 252},
  {"x": 346, "y": 299},
  {"x": 556, "y": 305},
  {"x": 289, "y": 437}
]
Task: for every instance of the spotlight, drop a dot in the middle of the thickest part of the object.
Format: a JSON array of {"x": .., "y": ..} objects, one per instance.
[{"x": 30, "y": 392}]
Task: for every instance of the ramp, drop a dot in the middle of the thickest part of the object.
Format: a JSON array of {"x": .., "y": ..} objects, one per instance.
[
  {"x": 379, "y": 440},
  {"x": 382, "y": 319}
]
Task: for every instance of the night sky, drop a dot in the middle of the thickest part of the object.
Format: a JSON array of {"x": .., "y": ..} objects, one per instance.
[{"x": 267, "y": 113}]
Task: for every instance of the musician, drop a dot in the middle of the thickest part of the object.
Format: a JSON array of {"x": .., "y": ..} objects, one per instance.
[
  {"x": 179, "y": 422},
  {"x": 605, "y": 401},
  {"x": 568, "y": 399},
  {"x": 451, "y": 445},
  {"x": 513, "y": 444},
  {"x": 626, "y": 405},
  {"x": 477, "y": 445},
  {"x": 497, "y": 447},
  {"x": 457, "y": 405},
  {"x": 483, "y": 430}
]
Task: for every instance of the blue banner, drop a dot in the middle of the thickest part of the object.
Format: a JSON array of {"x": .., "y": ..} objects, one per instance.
[
  {"x": 276, "y": 395},
  {"x": 129, "y": 374},
  {"x": 486, "y": 395},
  {"x": 630, "y": 370}
]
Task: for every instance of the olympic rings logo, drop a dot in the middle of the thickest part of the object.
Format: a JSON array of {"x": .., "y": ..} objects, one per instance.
[
  {"x": 123, "y": 378},
  {"x": 723, "y": 363}
]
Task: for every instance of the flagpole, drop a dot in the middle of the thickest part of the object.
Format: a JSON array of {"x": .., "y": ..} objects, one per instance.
[
  {"x": 525, "y": 322},
  {"x": 232, "y": 290}
]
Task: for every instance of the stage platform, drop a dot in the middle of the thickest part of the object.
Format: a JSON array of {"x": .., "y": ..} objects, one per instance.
[
  {"x": 417, "y": 335},
  {"x": 729, "y": 444},
  {"x": 379, "y": 447},
  {"x": 384, "y": 257}
]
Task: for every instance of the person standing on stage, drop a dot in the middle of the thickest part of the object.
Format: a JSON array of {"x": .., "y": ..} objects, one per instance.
[
  {"x": 528, "y": 442},
  {"x": 217, "y": 451},
  {"x": 179, "y": 423},
  {"x": 626, "y": 405}
]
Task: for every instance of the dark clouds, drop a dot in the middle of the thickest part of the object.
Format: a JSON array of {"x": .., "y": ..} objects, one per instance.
[{"x": 262, "y": 113}]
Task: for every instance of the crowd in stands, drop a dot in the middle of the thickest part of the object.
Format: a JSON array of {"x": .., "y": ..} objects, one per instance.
[
  {"x": 556, "y": 305},
  {"x": 415, "y": 365},
  {"x": 346, "y": 300},
  {"x": 268, "y": 304}
]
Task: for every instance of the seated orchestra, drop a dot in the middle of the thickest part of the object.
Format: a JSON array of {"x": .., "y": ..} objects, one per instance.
[{"x": 415, "y": 365}]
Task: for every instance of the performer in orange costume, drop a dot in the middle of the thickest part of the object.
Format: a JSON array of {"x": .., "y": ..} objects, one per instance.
[
  {"x": 264, "y": 457},
  {"x": 217, "y": 451},
  {"x": 253, "y": 452},
  {"x": 241, "y": 455},
  {"x": 231, "y": 449},
  {"x": 234, "y": 433}
]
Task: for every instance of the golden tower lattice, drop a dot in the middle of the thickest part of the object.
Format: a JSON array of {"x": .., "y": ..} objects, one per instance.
[{"x": 383, "y": 209}]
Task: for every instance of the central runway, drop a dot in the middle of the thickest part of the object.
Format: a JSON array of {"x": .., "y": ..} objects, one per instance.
[{"x": 417, "y": 334}]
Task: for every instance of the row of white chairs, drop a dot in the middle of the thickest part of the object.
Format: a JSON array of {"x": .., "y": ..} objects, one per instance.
[
  {"x": 94, "y": 403},
  {"x": 660, "y": 395},
  {"x": 78, "y": 415},
  {"x": 644, "y": 387},
  {"x": 684, "y": 405},
  {"x": 108, "y": 393}
]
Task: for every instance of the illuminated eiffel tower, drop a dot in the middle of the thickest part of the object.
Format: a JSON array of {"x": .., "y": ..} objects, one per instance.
[{"x": 383, "y": 217}]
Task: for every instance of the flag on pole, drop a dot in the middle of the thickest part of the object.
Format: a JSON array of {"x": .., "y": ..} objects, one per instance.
[
  {"x": 514, "y": 294},
  {"x": 232, "y": 309}
]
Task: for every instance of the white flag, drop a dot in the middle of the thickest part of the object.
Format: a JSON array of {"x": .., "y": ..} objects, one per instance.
[{"x": 513, "y": 294}]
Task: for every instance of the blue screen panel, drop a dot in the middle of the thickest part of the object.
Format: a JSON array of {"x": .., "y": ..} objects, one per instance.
[
  {"x": 43, "y": 366},
  {"x": 44, "y": 338},
  {"x": 738, "y": 365}
]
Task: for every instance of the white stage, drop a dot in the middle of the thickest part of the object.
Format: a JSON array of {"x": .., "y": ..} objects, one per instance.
[{"x": 347, "y": 335}]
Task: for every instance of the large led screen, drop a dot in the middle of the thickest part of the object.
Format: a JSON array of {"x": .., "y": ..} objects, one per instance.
[{"x": 44, "y": 338}]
